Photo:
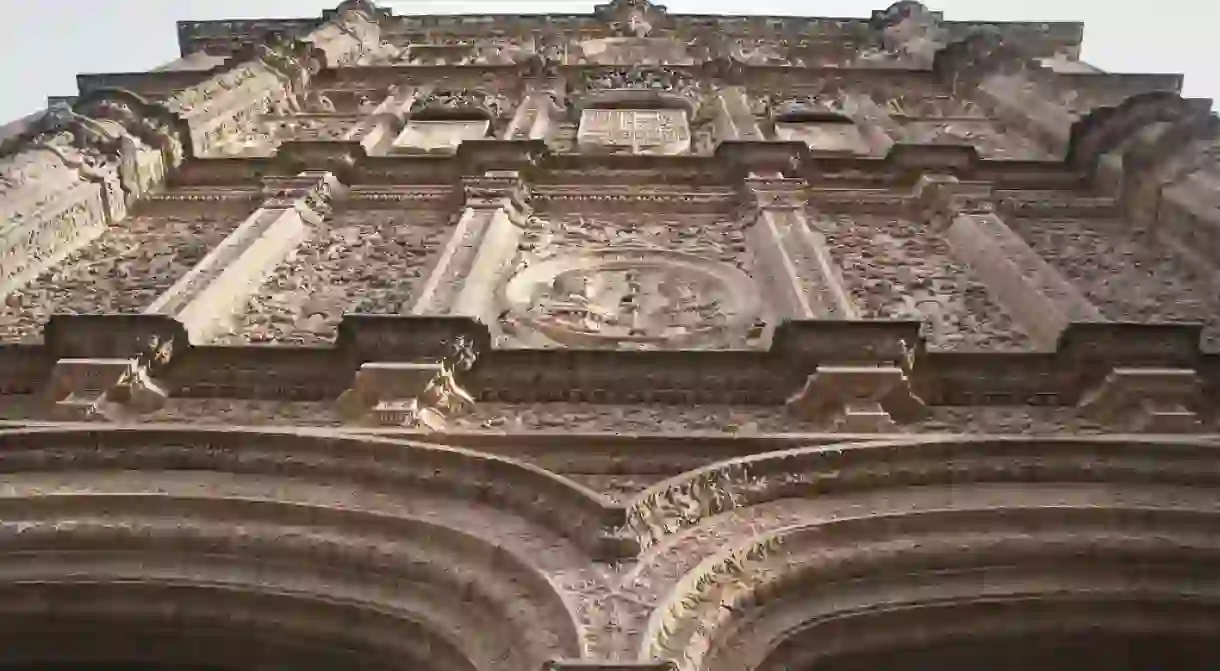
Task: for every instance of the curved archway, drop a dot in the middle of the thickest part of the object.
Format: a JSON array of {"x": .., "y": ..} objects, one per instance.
[
  {"x": 174, "y": 547},
  {"x": 931, "y": 528},
  {"x": 814, "y": 595}
]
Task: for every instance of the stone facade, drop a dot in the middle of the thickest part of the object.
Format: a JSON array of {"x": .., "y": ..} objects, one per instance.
[{"x": 618, "y": 340}]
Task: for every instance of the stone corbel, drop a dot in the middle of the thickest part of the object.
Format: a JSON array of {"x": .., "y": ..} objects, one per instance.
[
  {"x": 857, "y": 399},
  {"x": 941, "y": 199},
  {"x": 1145, "y": 400},
  {"x": 111, "y": 371},
  {"x": 413, "y": 395}
]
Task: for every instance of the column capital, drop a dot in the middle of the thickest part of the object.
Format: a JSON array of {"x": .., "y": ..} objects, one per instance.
[
  {"x": 310, "y": 192},
  {"x": 497, "y": 189},
  {"x": 774, "y": 193},
  {"x": 939, "y": 199}
]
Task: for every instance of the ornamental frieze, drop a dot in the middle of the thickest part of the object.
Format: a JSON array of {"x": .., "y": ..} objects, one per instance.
[
  {"x": 625, "y": 85},
  {"x": 461, "y": 103}
]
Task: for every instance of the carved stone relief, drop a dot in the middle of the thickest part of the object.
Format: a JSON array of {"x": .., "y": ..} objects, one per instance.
[
  {"x": 1126, "y": 272},
  {"x": 754, "y": 420},
  {"x": 897, "y": 269},
  {"x": 632, "y": 51},
  {"x": 673, "y": 86},
  {"x": 935, "y": 118},
  {"x": 367, "y": 261},
  {"x": 123, "y": 271},
  {"x": 619, "y": 284},
  {"x": 662, "y": 131}
]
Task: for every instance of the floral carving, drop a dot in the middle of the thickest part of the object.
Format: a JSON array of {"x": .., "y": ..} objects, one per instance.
[
  {"x": 357, "y": 261},
  {"x": 649, "y": 80},
  {"x": 896, "y": 269},
  {"x": 1126, "y": 272},
  {"x": 446, "y": 104},
  {"x": 123, "y": 271}
]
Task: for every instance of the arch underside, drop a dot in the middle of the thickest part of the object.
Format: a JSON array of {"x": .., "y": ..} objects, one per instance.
[{"x": 240, "y": 567}]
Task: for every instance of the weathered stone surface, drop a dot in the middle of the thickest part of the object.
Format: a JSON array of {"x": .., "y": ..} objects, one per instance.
[
  {"x": 897, "y": 269},
  {"x": 1126, "y": 272},
  {"x": 368, "y": 261},
  {"x": 123, "y": 271}
]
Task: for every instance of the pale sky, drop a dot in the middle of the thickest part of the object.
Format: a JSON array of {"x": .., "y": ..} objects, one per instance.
[{"x": 45, "y": 43}]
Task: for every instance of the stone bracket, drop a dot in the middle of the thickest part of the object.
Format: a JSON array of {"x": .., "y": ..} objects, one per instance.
[
  {"x": 1145, "y": 400},
  {"x": 859, "y": 399},
  {"x": 422, "y": 395},
  {"x": 941, "y": 198},
  {"x": 110, "y": 389}
]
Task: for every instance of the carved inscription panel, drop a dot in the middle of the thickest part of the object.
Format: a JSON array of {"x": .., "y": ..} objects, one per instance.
[
  {"x": 441, "y": 137},
  {"x": 660, "y": 131}
]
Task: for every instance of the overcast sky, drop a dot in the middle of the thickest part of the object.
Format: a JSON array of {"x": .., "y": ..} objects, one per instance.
[{"x": 45, "y": 43}]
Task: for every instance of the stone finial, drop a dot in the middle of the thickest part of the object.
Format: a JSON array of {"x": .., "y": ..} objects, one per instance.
[
  {"x": 861, "y": 399},
  {"x": 1145, "y": 400}
]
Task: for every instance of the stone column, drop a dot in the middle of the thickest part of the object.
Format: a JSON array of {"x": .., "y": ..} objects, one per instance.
[
  {"x": 480, "y": 248},
  {"x": 801, "y": 277},
  {"x": 1037, "y": 296},
  {"x": 217, "y": 288}
]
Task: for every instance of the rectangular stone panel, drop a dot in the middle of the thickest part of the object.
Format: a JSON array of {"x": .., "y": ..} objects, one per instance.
[
  {"x": 366, "y": 261},
  {"x": 122, "y": 271},
  {"x": 441, "y": 137},
  {"x": 895, "y": 268},
  {"x": 661, "y": 131},
  {"x": 844, "y": 137},
  {"x": 1032, "y": 290}
]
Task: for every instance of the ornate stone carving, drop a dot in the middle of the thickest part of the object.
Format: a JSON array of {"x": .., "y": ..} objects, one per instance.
[
  {"x": 858, "y": 399},
  {"x": 410, "y": 394},
  {"x": 460, "y": 104},
  {"x": 303, "y": 300},
  {"x": 123, "y": 271},
  {"x": 624, "y": 85},
  {"x": 605, "y": 285},
  {"x": 664, "y": 131}
]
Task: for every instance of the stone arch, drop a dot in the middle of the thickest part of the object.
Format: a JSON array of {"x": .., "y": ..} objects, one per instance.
[
  {"x": 685, "y": 501},
  {"x": 1105, "y": 128},
  {"x": 183, "y": 526},
  {"x": 810, "y": 595}
]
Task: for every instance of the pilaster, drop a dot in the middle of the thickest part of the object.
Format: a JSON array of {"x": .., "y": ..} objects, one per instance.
[
  {"x": 479, "y": 249},
  {"x": 207, "y": 297},
  {"x": 794, "y": 258},
  {"x": 1034, "y": 293},
  {"x": 734, "y": 118}
]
